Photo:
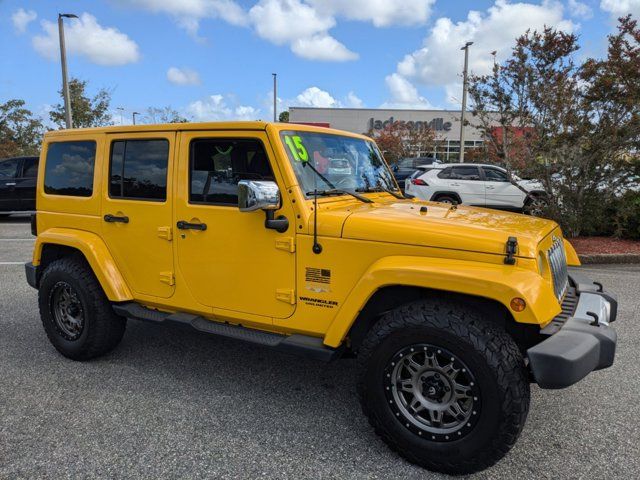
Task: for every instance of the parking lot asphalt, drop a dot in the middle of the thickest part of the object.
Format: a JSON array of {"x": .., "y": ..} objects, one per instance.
[{"x": 170, "y": 402}]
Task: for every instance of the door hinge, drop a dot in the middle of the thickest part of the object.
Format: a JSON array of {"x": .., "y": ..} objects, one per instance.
[
  {"x": 286, "y": 295},
  {"x": 286, "y": 243},
  {"x": 168, "y": 278},
  {"x": 166, "y": 233}
]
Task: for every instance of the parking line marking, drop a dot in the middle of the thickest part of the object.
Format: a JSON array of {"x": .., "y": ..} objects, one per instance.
[
  {"x": 17, "y": 239},
  {"x": 12, "y": 263}
]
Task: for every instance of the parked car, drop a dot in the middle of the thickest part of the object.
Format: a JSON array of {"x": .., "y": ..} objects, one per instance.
[
  {"x": 406, "y": 167},
  {"x": 18, "y": 185},
  {"x": 475, "y": 184},
  {"x": 451, "y": 313}
]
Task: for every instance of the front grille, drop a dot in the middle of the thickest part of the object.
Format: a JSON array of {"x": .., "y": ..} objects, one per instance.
[
  {"x": 558, "y": 264},
  {"x": 569, "y": 305}
]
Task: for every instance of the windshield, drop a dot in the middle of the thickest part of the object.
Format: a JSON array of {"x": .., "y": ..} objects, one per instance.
[{"x": 329, "y": 162}]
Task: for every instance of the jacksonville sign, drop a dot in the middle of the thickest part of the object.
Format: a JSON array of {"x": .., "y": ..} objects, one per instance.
[{"x": 437, "y": 124}]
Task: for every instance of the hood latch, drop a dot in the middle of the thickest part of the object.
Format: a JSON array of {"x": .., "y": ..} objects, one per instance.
[{"x": 512, "y": 249}]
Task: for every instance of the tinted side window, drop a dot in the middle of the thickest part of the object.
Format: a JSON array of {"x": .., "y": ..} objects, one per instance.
[
  {"x": 465, "y": 173},
  {"x": 69, "y": 168},
  {"x": 446, "y": 173},
  {"x": 30, "y": 168},
  {"x": 8, "y": 168},
  {"x": 138, "y": 169},
  {"x": 217, "y": 165},
  {"x": 494, "y": 175}
]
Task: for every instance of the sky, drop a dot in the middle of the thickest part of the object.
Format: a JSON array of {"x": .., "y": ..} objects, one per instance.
[{"x": 213, "y": 59}]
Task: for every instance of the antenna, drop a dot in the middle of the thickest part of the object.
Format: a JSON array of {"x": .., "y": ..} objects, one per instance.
[{"x": 317, "y": 248}]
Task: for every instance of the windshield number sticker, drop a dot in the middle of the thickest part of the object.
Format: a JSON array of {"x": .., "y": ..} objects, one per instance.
[{"x": 296, "y": 148}]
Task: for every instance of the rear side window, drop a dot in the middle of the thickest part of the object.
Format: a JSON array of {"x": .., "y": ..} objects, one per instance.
[
  {"x": 217, "y": 165},
  {"x": 69, "y": 168},
  {"x": 446, "y": 173},
  {"x": 465, "y": 173},
  {"x": 30, "y": 168},
  {"x": 138, "y": 169}
]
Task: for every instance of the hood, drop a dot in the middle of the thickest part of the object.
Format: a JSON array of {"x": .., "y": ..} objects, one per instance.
[
  {"x": 530, "y": 185},
  {"x": 460, "y": 228}
]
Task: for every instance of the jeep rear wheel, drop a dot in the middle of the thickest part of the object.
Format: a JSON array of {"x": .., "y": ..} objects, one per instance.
[
  {"x": 442, "y": 386},
  {"x": 76, "y": 315}
]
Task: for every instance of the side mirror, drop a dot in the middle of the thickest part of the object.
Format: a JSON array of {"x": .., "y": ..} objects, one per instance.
[
  {"x": 262, "y": 195},
  {"x": 258, "y": 195}
]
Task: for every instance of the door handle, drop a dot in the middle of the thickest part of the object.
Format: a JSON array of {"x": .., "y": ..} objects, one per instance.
[
  {"x": 490, "y": 188},
  {"x": 113, "y": 219},
  {"x": 10, "y": 184},
  {"x": 454, "y": 184},
  {"x": 182, "y": 225}
]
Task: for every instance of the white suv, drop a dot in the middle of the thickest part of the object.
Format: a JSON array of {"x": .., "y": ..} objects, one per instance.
[{"x": 475, "y": 184}]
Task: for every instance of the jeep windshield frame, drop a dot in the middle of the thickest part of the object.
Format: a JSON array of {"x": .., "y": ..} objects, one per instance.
[{"x": 340, "y": 163}]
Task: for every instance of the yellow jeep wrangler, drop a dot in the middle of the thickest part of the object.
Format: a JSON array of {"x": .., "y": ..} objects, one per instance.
[{"x": 297, "y": 238}]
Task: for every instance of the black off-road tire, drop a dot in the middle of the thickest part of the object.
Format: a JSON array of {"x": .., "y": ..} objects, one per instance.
[
  {"x": 491, "y": 356},
  {"x": 102, "y": 329}
]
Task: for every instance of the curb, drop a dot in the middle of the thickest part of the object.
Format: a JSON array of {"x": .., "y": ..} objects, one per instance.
[{"x": 599, "y": 258}]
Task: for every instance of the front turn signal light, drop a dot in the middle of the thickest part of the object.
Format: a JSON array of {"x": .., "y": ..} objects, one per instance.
[{"x": 518, "y": 304}]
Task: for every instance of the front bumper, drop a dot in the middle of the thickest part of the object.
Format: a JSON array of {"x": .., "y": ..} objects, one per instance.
[
  {"x": 580, "y": 339},
  {"x": 33, "y": 274}
]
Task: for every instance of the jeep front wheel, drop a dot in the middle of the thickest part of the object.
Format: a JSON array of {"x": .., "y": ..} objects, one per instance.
[
  {"x": 77, "y": 316},
  {"x": 443, "y": 387}
]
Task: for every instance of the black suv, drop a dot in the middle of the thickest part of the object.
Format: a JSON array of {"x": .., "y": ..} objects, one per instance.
[{"x": 18, "y": 185}]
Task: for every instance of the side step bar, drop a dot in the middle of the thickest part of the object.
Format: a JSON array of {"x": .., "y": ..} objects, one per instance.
[{"x": 303, "y": 345}]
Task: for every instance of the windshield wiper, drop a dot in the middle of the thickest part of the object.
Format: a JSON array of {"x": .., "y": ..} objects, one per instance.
[
  {"x": 338, "y": 191},
  {"x": 380, "y": 188}
]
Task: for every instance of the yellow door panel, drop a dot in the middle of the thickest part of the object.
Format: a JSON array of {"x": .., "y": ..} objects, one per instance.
[
  {"x": 137, "y": 209},
  {"x": 228, "y": 259}
]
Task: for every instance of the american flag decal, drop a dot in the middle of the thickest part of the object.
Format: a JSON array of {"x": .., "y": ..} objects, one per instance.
[{"x": 318, "y": 275}]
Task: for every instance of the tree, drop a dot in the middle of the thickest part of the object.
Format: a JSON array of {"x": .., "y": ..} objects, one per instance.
[
  {"x": 86, "y": 112},
  {"x": 284, "y": 117},
  {"x": 566, "y": 124},
  {"x": 164, "y": 115},
  {"x": 398, "y": 141},
  {"x": 20, "y": 130}
]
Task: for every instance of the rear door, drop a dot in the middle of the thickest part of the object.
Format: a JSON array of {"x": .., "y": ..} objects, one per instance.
[
  {"x": 465, "y": 180},
  {"x": 9, "y": 201},
  {"x": 137, "y": 209},
  {"x": 26, "y": 184},
  {"x": 500, "y": 192}
]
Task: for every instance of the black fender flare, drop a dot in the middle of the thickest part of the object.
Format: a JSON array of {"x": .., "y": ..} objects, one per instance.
[{"x": 445, "y": 192}]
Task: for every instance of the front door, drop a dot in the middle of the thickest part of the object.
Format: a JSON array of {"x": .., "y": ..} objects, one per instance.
[
  {"x": 136, "y": 209},
  {"x": 500, "y": 191},
  {"x": 228, "y": 259}
]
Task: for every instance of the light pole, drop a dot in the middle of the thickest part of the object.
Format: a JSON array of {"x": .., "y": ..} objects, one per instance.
[
  {"x": 275, "y": 96},
  {"x": 121, "y": 110},
  {"x": 63, "y": 61},
  {"x": 134, "y": 116},
  {"x": 464, "y": 97}
]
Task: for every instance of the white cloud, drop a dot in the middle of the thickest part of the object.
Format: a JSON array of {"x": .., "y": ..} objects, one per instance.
[
  {"x": 316, "y": 97},
  {"x": 404, "y": 94},
  {"x": 382, "y": 13},
  {"x": 86, "y": 37},
  {"x": 439, "y": 61},
  {"x": 189, "y": 13},
  {"x": 353, "y": 101},
  {"x": 301, "y": 26},
  {"x": 322, "y": 47},
  {"x": 21, "y": 18},
  {"x": 620, "y": 8},
  {"x": 183, "y": 76},
  {"x": 579, "y": 10},
  {"x": 221, "y": 107}
]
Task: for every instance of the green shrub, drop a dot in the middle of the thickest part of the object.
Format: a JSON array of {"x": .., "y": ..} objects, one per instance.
[{"x": 627, "y": 216}]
